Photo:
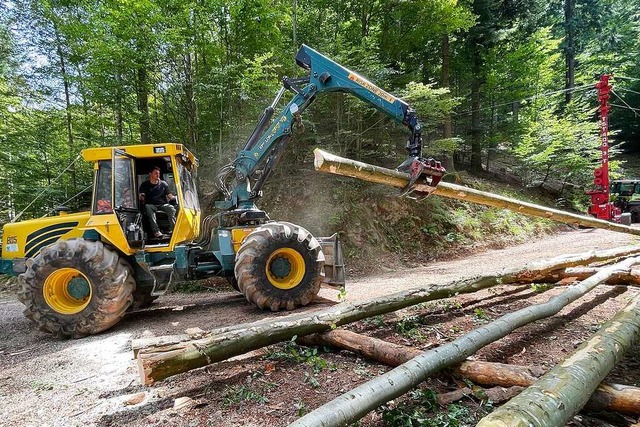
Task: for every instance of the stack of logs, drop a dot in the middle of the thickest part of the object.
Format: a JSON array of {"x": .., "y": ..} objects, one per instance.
[
  {"x": 161, "y": 357},
  {"x": 545, "y": 399}
]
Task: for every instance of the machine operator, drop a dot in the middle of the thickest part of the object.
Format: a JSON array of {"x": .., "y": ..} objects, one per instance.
[{"x": 156, "y": 195}]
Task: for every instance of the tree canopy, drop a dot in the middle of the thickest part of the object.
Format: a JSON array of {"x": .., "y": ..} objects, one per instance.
[{"x": 487, "y": 77}]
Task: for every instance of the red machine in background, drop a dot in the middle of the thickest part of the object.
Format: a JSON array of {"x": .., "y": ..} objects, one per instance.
[{"x": 601, "y": 205}]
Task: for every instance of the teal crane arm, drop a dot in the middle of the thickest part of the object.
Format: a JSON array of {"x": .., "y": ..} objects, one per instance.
[{"x": 265, "y": 145}]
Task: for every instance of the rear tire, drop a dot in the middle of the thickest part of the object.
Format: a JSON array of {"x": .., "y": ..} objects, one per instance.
[
  {"x": 279, "y": 266},
  {"x": 142, "y": 298},
  {"x": 233, "y": 282},
  {"x": 76, "y": 287},
  {"x": 625, "y": 219}
]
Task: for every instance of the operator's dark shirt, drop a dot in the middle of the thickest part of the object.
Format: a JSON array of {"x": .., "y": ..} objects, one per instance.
[{"x": 155, "y": 194}]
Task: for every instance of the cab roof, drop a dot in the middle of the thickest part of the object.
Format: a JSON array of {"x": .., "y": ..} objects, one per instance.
[
  {"x": 140, "y": 150},
  {"x": 626, "y": 181}
]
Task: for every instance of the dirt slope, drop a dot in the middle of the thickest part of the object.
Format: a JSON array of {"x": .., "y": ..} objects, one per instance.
[{"x": 93, "y": 381}]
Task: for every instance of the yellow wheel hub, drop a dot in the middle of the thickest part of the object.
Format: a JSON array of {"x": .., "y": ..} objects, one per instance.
[
  {"x": 67, "y": 291},
  {"x": 285, "y": 268}
]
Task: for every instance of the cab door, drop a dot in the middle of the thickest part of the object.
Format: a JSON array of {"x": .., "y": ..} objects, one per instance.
[{"x": 125, "y": 197}]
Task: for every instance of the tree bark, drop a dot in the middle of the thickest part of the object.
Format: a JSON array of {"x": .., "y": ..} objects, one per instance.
[
  {"x": 447, "y": 129},
  {"x": 356, "y": 403},
  {"x": 569, "y": 48},
  {"x": 561, "y": 393},
  {"x": 494, "y": 394},
  {"x": 175, "y": 355},
  {"x": 373, "y": 348},
  {"x": 476, "y": 128},
  {"x": 67, "y": 100},
  {"x": 580, "y": 273},
  {"x": 156, "y": 363},
  {"x": 612, "y": 397},
  {"x": 190, "y": 105},
  {"x": 327, "y": 162},
  {"x": 142, "y": 93},
  {"x": 119, "y": 116}
]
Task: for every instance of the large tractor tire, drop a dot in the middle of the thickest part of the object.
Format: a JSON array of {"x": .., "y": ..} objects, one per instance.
[
  {"x": 76, "y": 287},
  {"x": 142, "y": 298},
  {"x": 279, "y": 266}
]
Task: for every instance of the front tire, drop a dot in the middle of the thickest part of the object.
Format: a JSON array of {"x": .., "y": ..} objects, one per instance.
[
  {"x": 75, "y": 288},
  {"x": 142, "y": 298},
  {"x": 279, "y": 266}
]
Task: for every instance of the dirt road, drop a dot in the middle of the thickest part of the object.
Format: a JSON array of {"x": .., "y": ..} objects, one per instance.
[{"x": 94, "y": 381}]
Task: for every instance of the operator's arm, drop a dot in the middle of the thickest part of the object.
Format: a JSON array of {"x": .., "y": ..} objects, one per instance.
[
  {"x": 142, "y": 191},
  {"x": 167, "y": 193}
]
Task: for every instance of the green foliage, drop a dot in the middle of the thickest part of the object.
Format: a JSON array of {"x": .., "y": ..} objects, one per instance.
[
  {"x": 301, "y": 407},
  {"x": 311, "y": 380},
  {"x": 560, "y": 146},
  {"x": 480, "y": 315},
  {"x": 83, "y": 74},
  {"x": 450, "y": 304},
  {"x": 342, "y": 294},
  {"x": 434, "y": 103},
  {"x": 377, "y": 321},
  {"x": 292, "y": 352},
  {"x": 189, "y": 287},
  {"x": 421, "y": 409},
  {"x": 541, "y": 287},
  {"x": 410, "y": 327},
  {"x": 239, "y": 394}
]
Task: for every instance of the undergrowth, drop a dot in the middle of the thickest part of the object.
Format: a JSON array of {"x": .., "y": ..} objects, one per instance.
[
  {"x": 381, "y": 231},
  {"x": 420, "y": 409}
]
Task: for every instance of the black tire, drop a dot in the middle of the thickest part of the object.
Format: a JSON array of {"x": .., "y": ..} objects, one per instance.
[
  {"x": 103, "y": 285},
  {"x": 142, "y": 298},
  {"x": 265, "y": 253},
  {"x": 233, "y": 282}
]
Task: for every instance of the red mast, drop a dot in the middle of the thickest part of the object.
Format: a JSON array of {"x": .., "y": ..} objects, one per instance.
[{"x": 601, "y": 207}]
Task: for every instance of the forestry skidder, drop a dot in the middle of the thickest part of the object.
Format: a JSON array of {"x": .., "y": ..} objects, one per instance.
[{"x": 80, "y": 272}]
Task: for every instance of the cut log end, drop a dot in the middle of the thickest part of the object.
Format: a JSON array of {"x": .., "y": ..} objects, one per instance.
[
  {"x": 144, "y": 372},
  {"x": 318, "y": 158}
]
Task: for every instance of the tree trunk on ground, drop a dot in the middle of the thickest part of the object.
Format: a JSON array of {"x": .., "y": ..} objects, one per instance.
[
  {"x": 561, "y": 393},
  {"x": 612, "y": 397},
  {"x": 580, "y": 273},
  {"x": 373, "y": 348},
  {"x": 494, "y": 394},
  {"x": 174, "y": 355},
  {"x": 327, "y": 162},
  {"x": 356, "y": 403}
]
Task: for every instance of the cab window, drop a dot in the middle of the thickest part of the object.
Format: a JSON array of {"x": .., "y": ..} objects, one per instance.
[
  {"x": 102, "y": 203},
  {"x": 626, "y": 188},
  {"x": 188, "y": 185},
  {"x": 125, "y": 187}
]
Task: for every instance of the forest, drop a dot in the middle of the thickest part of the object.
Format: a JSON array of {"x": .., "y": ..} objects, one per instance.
[{"x": 488, "y": 78}]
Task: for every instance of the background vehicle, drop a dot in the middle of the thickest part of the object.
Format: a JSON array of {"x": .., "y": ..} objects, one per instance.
[
  {"x": 625, "y": 194},
  {"x": 81, "y": 272}
]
